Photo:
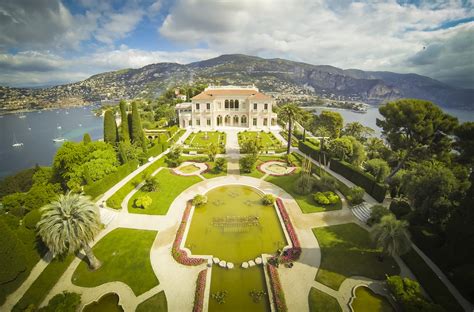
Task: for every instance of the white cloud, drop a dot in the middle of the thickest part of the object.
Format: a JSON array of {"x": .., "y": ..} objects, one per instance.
[{"x": 118, "y": 25}]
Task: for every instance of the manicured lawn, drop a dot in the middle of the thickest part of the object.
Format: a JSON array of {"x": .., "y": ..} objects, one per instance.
[
  {"x": 43, "y": 284},
  {"x": 212, "y": 173},
  {"x": 261, "y": 159},
  {"x": 269, "y": 141},
  {"x": 347, "y": 250},
  {"x": 204, "y": 138},
  {"x": 171, "y": 185},
  {"x": 115, "y": 200},
  {"x": 367, "y": 300},
  {"x": 125, "y": 256},
  {"x": 430, "y": 281},
  {"x": 321, "y": 302},
  {"x": 188, "y": 168},
  {"x": 156, "y": 303},
  {"x": 306, "y": 202}
]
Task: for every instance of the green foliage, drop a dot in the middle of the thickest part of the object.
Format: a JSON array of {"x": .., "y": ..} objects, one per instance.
[
  {"x": 327, "y": 182},
  {"x": 19, "y": 182},
  {"x": 465, "y": 142},
  {"x": 219, "y": 164},
  {"x": 341, "y": 148},
  {"x": 143, "y": 202},
  {"x": 31, "y": 219},
  {"x": 332, "y": 122},
  {"x": 212, "y": 151},
  {"x": 290, "y": 113},
  {"x": 408, "y": 293},
  {"x": 43, "y": 175},
  {"x": 325, "y": 198},
  {"x": 137, "y": 135},
  {"x": 378, "y": 168},
  {"x": 101, "y": 186},
  {"x": 376, "y": 148},
  {"x": 12, "y": 255},
  {"x": 376, "y": 214},
  {"x": 358, "y": 152},
  {"x": 124, "y": 131},
  {"x": 63, "y": 302},
  {"x": 86, "y": 138},
  {"x": 110, "y": 128},
  {"x": 359, "y": 178},
  {"x": 151, "y": 183},
  {"x": 304, "y": 184},
  {"x": 247, "y": 163},
  {"x": 268, "y": 199},
  {"x": 400, "y": 208},
  {"x": 173, "y": 158},
  {"x": 14, "y": 203},
  {"x": 391, "y": 235},
  {"x": 434, "y": 190},
  {"x": 358, "y": 131},
  {"x": 356, "y": 195},
  {"x": 199, "y": 200}
]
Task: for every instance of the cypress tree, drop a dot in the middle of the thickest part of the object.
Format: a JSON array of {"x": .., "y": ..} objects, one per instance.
[
  {"x": 87, "y": 138},
  {"x": 110, "y": 128},
  {"x": 124, "y": 125},
  {"x": 137, "y": 136}
]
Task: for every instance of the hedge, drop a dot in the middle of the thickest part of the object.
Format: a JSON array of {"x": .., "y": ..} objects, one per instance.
[
  {"x": 359, "y": 178},
  {"x": 100, "y": 187},
  {"x": 309, "y": 149},
  {"x": 157, "y": 149}
]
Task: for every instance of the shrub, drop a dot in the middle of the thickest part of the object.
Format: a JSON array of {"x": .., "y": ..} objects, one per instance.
[
  {"x": 356, "y": 195},
  {"x": 219, "y": 164},
  {"x": 328, "y": 182},
  {"x": 173, "y": 159},
  {"x": 247, "y": 163},
  {"x": 400, "y": 208},
  {"x": 31, "y": 218},
  {"x": 304, "y": 184},
  {"x": 332, "y": 197},
  {"x": 64, "y": 302},
  {"x": 151, "y": 184},
  {"x": 378, "y": 168},
  {"x": 376, "y": 213},
  {"x": 199, "y": 200},
  {"x": 268, "y": 199},
  {"x": 12, "y": 255},
  {"x": 321, "y": 198},
  {"x": 143, "y": 202}
]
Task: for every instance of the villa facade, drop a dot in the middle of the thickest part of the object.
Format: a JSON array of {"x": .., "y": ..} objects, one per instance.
[{"x": 228, "y": 106}]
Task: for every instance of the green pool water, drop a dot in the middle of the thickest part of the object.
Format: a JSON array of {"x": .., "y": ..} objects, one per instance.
[
  {"x": 234, "y": 226},
  {"x": 106, "y": 303},
  {"x": 366, "y": 300}
]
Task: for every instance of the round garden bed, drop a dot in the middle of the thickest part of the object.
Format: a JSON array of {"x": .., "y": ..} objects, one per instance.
[
  {"x": 276, "y": 168},
  {"x": 189, "y": 168}
]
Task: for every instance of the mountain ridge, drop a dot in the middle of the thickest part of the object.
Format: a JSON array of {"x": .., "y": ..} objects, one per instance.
[{"x": 283, "y": 78}]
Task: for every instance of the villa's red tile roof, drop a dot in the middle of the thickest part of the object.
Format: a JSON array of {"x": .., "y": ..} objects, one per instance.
[{"x": 211, "y": 94}]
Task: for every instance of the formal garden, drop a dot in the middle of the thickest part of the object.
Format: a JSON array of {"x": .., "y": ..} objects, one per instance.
[{"x": 156, "y": 224}]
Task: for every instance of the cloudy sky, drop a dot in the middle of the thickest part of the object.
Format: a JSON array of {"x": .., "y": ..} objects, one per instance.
[{"x": 46, "y": 42}]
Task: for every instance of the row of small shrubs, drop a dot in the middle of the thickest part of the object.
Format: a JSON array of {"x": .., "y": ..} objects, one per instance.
[
  {"x": 100, "y": 187},
  {"x": 359, "y": 178}
]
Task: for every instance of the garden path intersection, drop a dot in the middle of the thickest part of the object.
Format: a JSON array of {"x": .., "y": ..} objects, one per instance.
[{"x": 179, "y": 281}]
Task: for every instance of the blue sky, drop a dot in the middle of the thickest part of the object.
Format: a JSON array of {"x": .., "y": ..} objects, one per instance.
[{"x": 46, "y": 42}]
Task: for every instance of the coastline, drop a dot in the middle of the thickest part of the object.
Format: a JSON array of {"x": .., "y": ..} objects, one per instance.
[{"x": 19, "y": 111}]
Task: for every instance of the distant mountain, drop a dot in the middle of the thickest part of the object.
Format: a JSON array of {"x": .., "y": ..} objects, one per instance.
[{"x": 282, "y": 78}]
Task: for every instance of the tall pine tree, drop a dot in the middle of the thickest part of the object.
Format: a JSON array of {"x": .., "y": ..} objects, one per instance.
[
  {"x": 138, "y": 137},
  {"x": 110, "y": 128},
  {"x": 87, "y": 138},
  {"x": 125, "y": 134}
]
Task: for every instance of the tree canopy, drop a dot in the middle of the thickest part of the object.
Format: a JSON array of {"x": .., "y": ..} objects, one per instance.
[
  {"x": 331, "y": 121},
  {"x": 110, "y": 128}
]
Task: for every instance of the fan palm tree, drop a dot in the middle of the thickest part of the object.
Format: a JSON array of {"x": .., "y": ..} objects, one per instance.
[
  {"x": 289, "y": 112},
  {"x": 69, "y": 224},
  {"x": 392, "y": 236}
]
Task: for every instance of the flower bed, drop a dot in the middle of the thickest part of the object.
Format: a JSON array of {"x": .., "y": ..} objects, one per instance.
[
  {"x": 278, "y": 295},
  {"x": 293, "y": 253},
  {"x": 177, "y": 172},
  {"x": 259, "y": 168},
  {"x": 200, "y": 289},
  {"x": 180, "y": 255}
]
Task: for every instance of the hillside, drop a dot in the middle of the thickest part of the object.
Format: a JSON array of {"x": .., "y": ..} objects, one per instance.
[{"x": 283, "y": 78}]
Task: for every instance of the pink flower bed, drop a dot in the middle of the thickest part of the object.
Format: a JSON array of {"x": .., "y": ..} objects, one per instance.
[
  {"x": 200, "y": 289},
  {"x": 278, "y": 295},
  {"x": 179, "y": 254},
  {"x": 293, "y": 253},
  {"x": 259, "y": 168}
]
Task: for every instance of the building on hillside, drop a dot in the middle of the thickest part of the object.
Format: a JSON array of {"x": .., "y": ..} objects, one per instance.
[{"x": 228, "y": 106}]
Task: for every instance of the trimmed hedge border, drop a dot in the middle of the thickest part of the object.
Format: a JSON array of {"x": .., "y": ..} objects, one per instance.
[
  {"x": 293, "y": 253},
  {"x": 277, "y": 290},
  {"x": 200, "y": 290},
  {"x": 359, "y": 178},
  {"x": 180, "y": 255},
  {"x": 98, "y": 188}
]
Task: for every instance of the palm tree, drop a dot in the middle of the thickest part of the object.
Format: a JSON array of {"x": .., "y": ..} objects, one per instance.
[
  {"x": 69, "y": 224},
  {"x": 392, "y": 236},
  {"x": 289, "y": 112}
]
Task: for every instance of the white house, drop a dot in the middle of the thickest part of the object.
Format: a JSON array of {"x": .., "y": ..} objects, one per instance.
[{"x": 228, "y": 106}]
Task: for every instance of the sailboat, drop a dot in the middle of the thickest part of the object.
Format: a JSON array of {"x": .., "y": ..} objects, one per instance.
[
  {"x": 59, "y": 138},
  {"x": 22, "y": 116},
  {"x": 16, "y": 143}
]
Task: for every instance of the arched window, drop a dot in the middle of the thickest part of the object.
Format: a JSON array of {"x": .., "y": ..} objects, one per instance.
[
  {"x": 236, "y": 120},
  {"x": 236, "y": 104},
  {"x": 226, "y": 104},
  {"x": 219, "y": 120},
  {"x": 227, "y": 120},
  {"x": 231, "y": 104},
  {"x": 243, "y": 120}
]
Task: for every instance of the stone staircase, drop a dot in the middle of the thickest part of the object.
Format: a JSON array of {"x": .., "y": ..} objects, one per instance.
[{"x": 361, "y": 212}]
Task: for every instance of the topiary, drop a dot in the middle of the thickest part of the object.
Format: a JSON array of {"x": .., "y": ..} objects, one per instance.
[
  {"x": 400, "y": 208},
  {"x": 321, "y": 198},
  {"x": 143, "y": 202},
  {"x": 268, "y": 199},
  {"x": 332, "y": 197},
  {"x": 199, "y": 200}
]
